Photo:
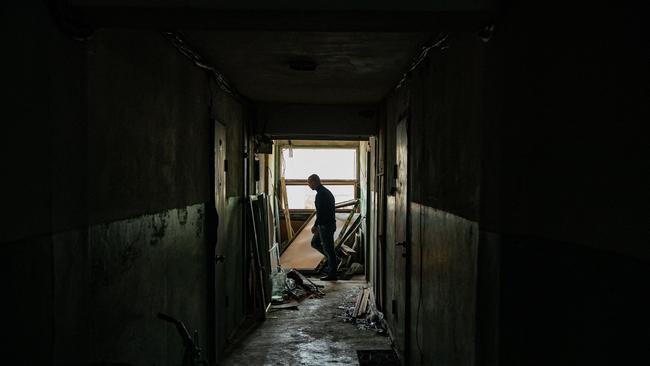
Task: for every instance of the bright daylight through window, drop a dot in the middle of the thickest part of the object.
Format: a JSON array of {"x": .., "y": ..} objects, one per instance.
[{"x": 337, "y": 168}]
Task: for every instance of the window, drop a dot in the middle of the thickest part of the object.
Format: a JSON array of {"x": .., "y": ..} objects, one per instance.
[{"x": 336, "y": 167}]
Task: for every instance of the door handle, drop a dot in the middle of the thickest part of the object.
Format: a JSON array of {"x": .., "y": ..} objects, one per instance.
[{"x": 219, "y": 258}]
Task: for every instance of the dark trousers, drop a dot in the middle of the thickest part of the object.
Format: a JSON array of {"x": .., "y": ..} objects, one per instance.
[{"x": 323, "y": 241}]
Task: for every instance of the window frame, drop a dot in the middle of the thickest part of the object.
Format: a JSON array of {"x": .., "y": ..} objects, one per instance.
[{"x": 303, "y": 182}]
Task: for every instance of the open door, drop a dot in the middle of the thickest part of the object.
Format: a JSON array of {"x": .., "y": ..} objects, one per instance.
[{"x": 397, "y": 252}]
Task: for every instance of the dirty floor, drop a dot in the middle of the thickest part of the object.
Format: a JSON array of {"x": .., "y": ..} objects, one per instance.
[{"x": 315, "y": 334}]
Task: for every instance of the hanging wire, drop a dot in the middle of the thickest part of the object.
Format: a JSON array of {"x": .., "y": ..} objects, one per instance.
[
  {"x": 439, "y": 41},
  {"x": 177, "y": 40}
]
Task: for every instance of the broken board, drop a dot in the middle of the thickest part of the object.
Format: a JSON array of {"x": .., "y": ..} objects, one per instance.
[{"x": 299, "y": 254}]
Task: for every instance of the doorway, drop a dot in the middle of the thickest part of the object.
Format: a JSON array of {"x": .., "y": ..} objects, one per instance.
[{"x": 342, "y": 170}]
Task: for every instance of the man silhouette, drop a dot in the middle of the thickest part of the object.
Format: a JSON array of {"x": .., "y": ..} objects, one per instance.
[{"x": 325, "y": 225}]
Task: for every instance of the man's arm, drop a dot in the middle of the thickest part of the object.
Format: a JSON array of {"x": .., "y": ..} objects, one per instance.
[{"x": 314, "y": 229}]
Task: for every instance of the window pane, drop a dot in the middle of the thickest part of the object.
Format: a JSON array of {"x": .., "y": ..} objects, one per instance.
[
  {"x": 302, "y": 197},
  {"x": 327, "y": 163}
]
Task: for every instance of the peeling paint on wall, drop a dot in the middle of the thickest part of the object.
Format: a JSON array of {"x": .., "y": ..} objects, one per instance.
[{"x": 158, "y": 226}]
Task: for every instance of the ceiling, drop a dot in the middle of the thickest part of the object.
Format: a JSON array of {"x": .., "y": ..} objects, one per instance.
[
  {"x": 350, "y": 67},
  {"x": 312, "y": 5},
  {"x": 359, "y": 49}
]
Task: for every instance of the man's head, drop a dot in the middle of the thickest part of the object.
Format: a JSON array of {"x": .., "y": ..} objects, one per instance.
[{"x": 313, "y": 181}]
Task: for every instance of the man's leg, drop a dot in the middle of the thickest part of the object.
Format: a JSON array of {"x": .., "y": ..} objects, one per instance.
[
  {"x": 316, "y": 242},
  {"x": 327, "y": 243}
]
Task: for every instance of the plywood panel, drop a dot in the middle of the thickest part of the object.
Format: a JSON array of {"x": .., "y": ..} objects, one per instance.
[{"x": 300, "y": 255}]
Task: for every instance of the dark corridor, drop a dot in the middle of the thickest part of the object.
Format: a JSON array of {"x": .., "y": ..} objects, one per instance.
[{"x": 503, "y": 195}]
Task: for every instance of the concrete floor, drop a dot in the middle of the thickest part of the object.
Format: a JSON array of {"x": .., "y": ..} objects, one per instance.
[{"x": 315, "y": 334}]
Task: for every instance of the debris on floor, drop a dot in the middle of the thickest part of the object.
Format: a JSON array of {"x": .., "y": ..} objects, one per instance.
[
  {"x": 289, "y": 305},
  {"x": 363, "y": 313},
  {"x": 303, "y": 283},
  {"x": 314, "y": 335},
  {"x": 291, "y": 287},
  {"x": 354, "y": 269}
]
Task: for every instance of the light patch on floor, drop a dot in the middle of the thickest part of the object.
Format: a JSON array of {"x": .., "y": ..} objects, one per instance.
[{"x": 315, "y": 334}]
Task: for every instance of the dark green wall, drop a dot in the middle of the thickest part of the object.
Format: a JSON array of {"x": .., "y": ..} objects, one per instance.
[
  {"x": 563, "y": 188},
  {"x": 107, "y": 192},
  {"x": 564, "y": 105},
  {"x": 528, "y": 223}
]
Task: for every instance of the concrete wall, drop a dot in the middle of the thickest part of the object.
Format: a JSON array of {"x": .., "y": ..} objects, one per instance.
[
  {"x": 107, "y": 162},
  {"x": 528, "y": 239}
]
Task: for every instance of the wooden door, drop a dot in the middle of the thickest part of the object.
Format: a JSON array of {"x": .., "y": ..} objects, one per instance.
[
  {"x": 397, "y": 245},
  {"x": 220, "y": 250}
]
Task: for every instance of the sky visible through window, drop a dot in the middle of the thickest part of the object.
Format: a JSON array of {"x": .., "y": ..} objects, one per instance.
[{"x": 328, "y": 164}]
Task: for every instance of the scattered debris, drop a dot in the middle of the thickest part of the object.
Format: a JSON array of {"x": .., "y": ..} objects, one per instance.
[
  {"x": 291, "y": 287},
  {"x": 362, "y": 303},
  {"x": 364, "y": 313},
  {"x": 354, "y": 269},
  {"x": 305, "y": 283},
  {"x": 278, "y": 286},
  {"x": 291, "y": 305},
  {"x": 272, "y": 287}
]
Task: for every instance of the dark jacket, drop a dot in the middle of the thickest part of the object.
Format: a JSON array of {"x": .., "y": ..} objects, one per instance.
[{"x": 324, "y": 207}]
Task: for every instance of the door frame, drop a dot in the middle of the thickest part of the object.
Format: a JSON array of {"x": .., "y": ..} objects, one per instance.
[
  {"x": 398, "y": 257},
  {"x": 219, "y": 203},
  {"x": 406, "y": 120}
]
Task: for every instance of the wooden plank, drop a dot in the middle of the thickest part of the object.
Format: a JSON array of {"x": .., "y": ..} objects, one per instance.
[
  {"x": 292, "y": 305},
  {"x": 346, "y": 203},
  {"x": 347, "y": 223},
  {"x": 347, "y": 250},
  {"x": 352, "y": 230},
  {"x": 357, "y": 305},
  {"x": 299, "y": 254},
  {"x": 276, "y": 218},
  {"x": 257, "y": 263},
  {"x": 285, "y": 208},
  {"x": 365, "y": 303},
  {"x": 304, "y": 224}
]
